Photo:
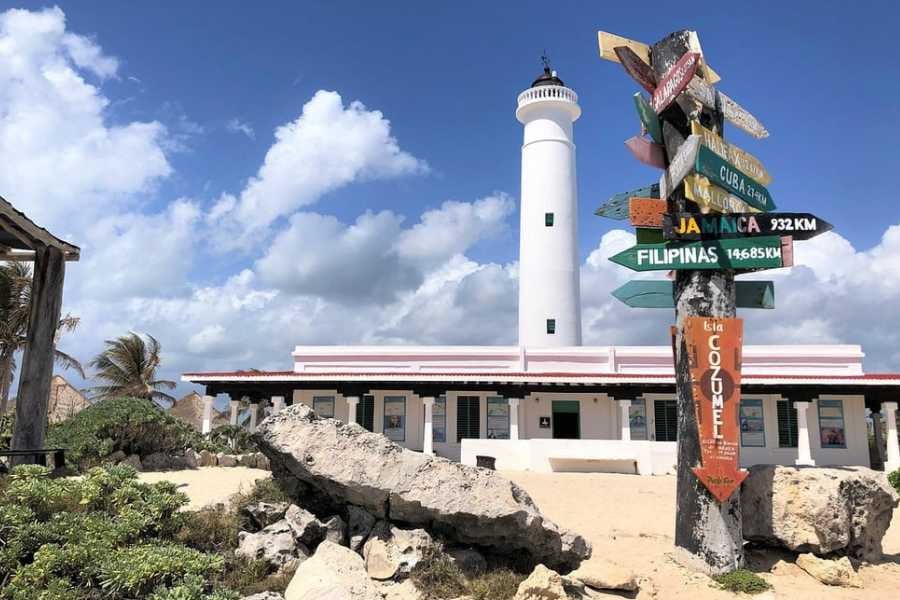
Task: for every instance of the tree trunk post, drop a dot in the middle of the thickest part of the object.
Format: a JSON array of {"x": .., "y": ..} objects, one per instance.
[
  {"x": 37, "y": 361},
  {"x": 708, "y": 534}
]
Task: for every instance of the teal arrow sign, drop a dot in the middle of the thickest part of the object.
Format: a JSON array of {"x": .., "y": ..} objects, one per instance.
[
  {"x": 739, "y": 253},
  {"x": 658, "y": 294},
  {"x": 617, "y": 206},
  {"x": 725, "y": 175},
  {"x": 648, "y": 117}
]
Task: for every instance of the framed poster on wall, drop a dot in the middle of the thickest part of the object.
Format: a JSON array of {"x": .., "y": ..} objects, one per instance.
[
  {"x": 395, "y": 418},
  {"x": 497, "y": 418}
]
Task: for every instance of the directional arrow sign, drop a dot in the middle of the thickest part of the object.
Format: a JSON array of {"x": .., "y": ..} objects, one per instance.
[
  {"x": 658, "y": 294},
  {"x": 608, "y": 42},
  {"x": 675, "y": 80},
  {"x": 708, "y": 96},
  {"x": 726, "y": 175},
  {"x": 741, "y": 159},
  {"x": 709, "y": 197},
  {"x": 714, "y": 355},
  {"x": 617, "y": 206},
  {"x": 647, "y": 235},
  {"x": 649, "y": 118},
  {"x": 646, "y": 212},
  {"x": 739, "y": 253},
  {"x": 652, "y": 155},
  {"x": 689, "y": 226},
  {"x": 639, "y": 70},
  {"x": 680, "y": 167}
]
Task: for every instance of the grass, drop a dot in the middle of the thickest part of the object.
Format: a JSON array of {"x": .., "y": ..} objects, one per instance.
[
  {"x": 742, "y": 580},
  {"x": 436, "y": 577}
]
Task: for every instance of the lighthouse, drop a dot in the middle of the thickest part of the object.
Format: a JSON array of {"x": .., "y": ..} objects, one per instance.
[{"x": 549, "y": 289}]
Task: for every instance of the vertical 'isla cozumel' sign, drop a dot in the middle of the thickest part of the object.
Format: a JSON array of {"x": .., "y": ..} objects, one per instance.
[{"x": 714, "y": 353}]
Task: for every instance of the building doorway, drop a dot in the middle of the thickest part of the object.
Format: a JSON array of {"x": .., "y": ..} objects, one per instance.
[{"x": 566, "y": 420}]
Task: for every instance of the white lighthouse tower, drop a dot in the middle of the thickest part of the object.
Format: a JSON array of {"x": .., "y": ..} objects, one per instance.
[{"x": 549, "y": 289}]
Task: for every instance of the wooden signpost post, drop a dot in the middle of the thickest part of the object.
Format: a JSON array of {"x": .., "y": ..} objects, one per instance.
[{"x": 659, "y": 294}]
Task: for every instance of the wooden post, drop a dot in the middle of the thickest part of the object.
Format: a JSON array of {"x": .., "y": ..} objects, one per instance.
[
  {"x": 708, "y": 534},
  {"x": 37, "y": 361}
]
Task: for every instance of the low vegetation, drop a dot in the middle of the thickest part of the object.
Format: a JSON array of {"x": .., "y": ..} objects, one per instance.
[
  {"x": 743, "y": 581},
  {"x": 894, "y": 480},
  {"x": 436, "y": 577}
]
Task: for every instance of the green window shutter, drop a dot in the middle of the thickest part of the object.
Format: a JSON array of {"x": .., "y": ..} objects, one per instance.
[
  {"x": 548, "y": 219},
  {"x": 365, "y": 412},
  {"x": 665, "y": 413},
  {"x": 467, "y": 418},
  {"x": 551, "y": 326},
  {"x": 787, "y": 425}
]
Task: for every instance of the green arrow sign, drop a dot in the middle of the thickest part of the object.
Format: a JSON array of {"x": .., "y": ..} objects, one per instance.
[
  {"x": 658, "y": 294},
  {"x": 648, "y": 117},
  {"x": 726, "y": 175},
  {"x": 738, "y": 253}
]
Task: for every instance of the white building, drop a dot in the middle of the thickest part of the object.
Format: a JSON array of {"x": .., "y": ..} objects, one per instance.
[{"x": 550, "y": 403}]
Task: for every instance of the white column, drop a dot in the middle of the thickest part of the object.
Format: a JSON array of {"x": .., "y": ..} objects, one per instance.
[
  {"x": 514, "y": 418},
  {"x": 254, "y": 415},
  {"x": 207, "y": 415},
  {"x": 893, "y": 445},
  {"x": 804, "y": 456},
  {"x": 352, "y": 403},
  {"x": 235, "y": 409},
  {"x": 277, "y": 404},
  {"x": 427, "y": 435},
  {"x": 624, "y": 421}
]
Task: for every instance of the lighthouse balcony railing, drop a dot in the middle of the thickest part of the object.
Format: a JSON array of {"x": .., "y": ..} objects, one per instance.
[{"x": 547, "y": 92}]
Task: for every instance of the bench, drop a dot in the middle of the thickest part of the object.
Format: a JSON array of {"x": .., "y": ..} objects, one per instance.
[{"x": 59, "y": 455}]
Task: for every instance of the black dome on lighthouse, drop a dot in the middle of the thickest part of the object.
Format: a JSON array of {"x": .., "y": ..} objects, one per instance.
[{"x": 548, "y": 77}]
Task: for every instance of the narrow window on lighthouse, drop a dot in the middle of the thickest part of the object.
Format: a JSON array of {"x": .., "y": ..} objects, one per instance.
[
  {"x": 551, "y": 325},
  {"x": 548, "y": 219}
]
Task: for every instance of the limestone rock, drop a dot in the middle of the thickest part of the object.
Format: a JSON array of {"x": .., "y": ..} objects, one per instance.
[
  {"x": 226, "y": 460},
  {"x": 468, "y": 560},
  {"x": 542, "y": 584},
  {"x": 332, "y": 573},
  {"x": 247, "y": 460},
  {"x": 336, "y": 530},
  {"x": 135, "y": 461},
  {"x": 261, "y": 461},
  {"x": 463, "y": 504},
  {"x": 360, "y": 525},
  {"x": 191, "y": 459},
  {"x": 208, "y": 459},
  {"x": 275, "y": 544},
  {"x": 821, "y": 510},
  {"x": 264, "y": 596},
  {"x": 405, "y": 590},
  {"x": 116, "y": 457},
  {"x": 392, "y": 552},
  {"x": 830, "y": 572},
  {"x": 307, "y": 528},
  {"x": 603, "y": 575},
  {"x": 263, "y": 514}
]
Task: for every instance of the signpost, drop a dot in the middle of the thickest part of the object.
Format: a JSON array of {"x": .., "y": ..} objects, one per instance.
[
  {"x": 608, "y": 42},
  {"x": 652, "y": 155},
  {"x": 691, "y": 226},
  {"x": 674, "y": 81},
  {"x": 639, "y": 70},
  {"x": 659, "y": 294},
  {"x": 679, "y": 167},
  {"x": 744, "y": 161},
  {"x": 709, "y": 197},
  {"x": 617, "y": 206},
  {"x": 714, "y": 354},
  {"x": 649, "y": 118},
  {"x": 711, "y": 98},
  {"x": 737, "y": 253},
  {"x": 724, "y": 174},
  {"x": 646, "y": 212}
]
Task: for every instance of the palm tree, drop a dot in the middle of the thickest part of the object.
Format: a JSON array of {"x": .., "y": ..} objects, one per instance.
[
  {"x": 128, "y": 367},
  {"x": 15, "y": 308}
]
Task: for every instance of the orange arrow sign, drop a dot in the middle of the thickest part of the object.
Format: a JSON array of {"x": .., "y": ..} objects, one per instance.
[
  {"x": 714, "y": 353},
  {"x": 646, "y": 212}
]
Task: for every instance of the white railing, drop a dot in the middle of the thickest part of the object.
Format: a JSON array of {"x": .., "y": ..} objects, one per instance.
[{"x": 547, "y": 92}]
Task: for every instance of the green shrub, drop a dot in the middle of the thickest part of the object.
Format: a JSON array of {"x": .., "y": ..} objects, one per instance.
[
  {"x": 210, "y": 529},
  {"x": 894, "y": 480},
  {"x": 265, "y": 490},
  {"x": 437, "y": 577},
  {"x": 6, "y": 430},
  {"x": 231, "y": 438},
  {"x": 499, "y": 584},
  {"x": 132, "y": 425},
  {"x": 249, "y": 577},
  {"x": 742, "y": 580},
  {"x": 105, "y": 534}
]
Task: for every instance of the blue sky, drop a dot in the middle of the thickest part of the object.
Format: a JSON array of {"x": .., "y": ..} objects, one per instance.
[{"x": 197, "y": 91}]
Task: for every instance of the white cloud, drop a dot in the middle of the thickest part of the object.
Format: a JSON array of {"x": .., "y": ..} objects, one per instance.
[
  {"x": 328, "y": 146},
  {"x": 235, "y": 125}
]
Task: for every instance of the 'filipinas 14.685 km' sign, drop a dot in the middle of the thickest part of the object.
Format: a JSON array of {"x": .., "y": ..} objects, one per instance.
[
  {"x": 771, "y": 252},
  {"x": 714, "y": 354}
]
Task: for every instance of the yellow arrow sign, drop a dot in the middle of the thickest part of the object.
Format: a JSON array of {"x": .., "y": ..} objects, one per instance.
[
  {"x": 741, "y": 159},
  {"x": 608, "y": 42},
  {"x": 709, "y": 197}
]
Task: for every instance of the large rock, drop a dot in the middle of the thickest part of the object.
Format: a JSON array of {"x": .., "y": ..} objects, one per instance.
[
  {"x": 468, "y": 505},
  {"x": 603, "y": 575},
  {"x": 226, "y": 460},
  {"x": 208, "y": 459},
  {"x": 830, "y": 572},
  {"x": 360, "y": 524},
  {"x": 392, "y": 552},
  {"x": 820, "y": 510},
  {"x": 542, "y": 584},
  {"x": 135, "y": 461},
  {"x": 332, "y": 573},
  {"x": 263, "y": 514},
  {"x": 275, "y": 544},
  {"x": 336, "y": 530},
  {"x": 307, "y": 528}
]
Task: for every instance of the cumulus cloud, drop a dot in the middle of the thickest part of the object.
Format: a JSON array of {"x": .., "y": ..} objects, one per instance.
[{"x": 328, "y": 146}]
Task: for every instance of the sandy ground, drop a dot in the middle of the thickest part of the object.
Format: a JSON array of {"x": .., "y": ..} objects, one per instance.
[{"x": 629, "y": 519}]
